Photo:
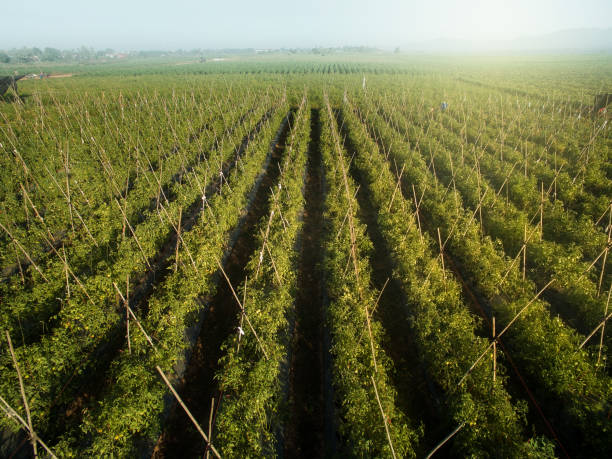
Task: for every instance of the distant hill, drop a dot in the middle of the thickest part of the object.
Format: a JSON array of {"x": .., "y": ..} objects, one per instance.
[{"x": 571, "y": 40}]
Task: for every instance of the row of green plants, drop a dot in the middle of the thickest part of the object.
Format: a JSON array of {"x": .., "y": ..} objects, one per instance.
[
  {"x": 581, "y": 172},
  {"x": 563, "y": 378},
  {"x": 88, "y": 322},
  {"x": 369, "y": 420},
  {"x": 128, "y": 416},
  {"x": 574, "y": 150},
  {"x": 578, "y": 291},
  {"x": 253, "y": 374},
  {"x": 525, "y": 192},
  {"x": 134, "y": 171},
  {"x": 96, "y": 146},
  {"x": 28, "y": 307},
  {"x": 507, "y": 127},
  {"x": 445, "y": 333}
]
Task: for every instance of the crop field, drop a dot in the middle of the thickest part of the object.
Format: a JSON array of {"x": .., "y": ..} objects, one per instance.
[{"x": 277, "y": 257}]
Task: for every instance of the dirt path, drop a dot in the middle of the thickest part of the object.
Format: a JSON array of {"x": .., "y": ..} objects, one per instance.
[
  {"x": 199, "y": 386},
  {"x": 304, "y": 436}
]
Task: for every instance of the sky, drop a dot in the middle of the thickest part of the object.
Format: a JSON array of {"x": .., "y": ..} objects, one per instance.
[{"x": 208, "y": 24}]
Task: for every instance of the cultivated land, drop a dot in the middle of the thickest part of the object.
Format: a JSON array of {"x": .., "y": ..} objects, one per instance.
[{"x": 318, "y": 258}]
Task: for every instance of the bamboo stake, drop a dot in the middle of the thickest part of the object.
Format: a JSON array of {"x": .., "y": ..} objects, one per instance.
[
  {"x": 447, "y": 438},
  {"x": 609, "y": 209},
  {"x": 347, "y": 214},
  {"x": 504, "y": 331},
  {"x": 23, "y": 394},
  {"x": 148, "y": 338},
  {"x": 278, "y": 207},
  {"x": 416, "y": 204},
  {"x": 399, "y": 181},
  {"x": 265, "y": 238},
  {"x": 18, "y": 244},
  {"x": 242, "y": 308},
  {"x": 603, "y": 325},
  {"x": 210, "y": 418},
  {"x": 602, "y": 253},
  {"x": 11, "y": 413},
  {"x": 480, "y": 207},
  {"x": 542, "y": 213},
  {"x": 27, "y": 196},
  {"x": 555, "y": 178},
  {"x": 608, "y": 245},
  {"x": 18, "y": 263},
  {"x": 384, "y": 416},
  {"x": 244, "y": 298},
  {"x": 375, "y": 305},
  {"x": 133, "y": 234},
  {"x": 442, "y": 255},
  {"x": 179, "y": 236},
  {"x": 524, "y": 251},
  {"x": 127, "y": 313},
  {"x": 195, "y": 423},
  {"x": 278, "y": 279},
  {"x": 66, "y": 272},
  {"x": 178, "y": 239},
  {"x": 494, "y": 351},
  {"x": 68, "y": 198},
  {"x": 68, "y": 269}
]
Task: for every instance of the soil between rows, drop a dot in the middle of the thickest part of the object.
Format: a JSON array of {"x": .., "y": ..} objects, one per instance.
[{"x": 304, "y": 436}]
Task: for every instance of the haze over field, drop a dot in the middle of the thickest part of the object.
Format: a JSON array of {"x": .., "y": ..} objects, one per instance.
[{"x": 433, "y": 25}]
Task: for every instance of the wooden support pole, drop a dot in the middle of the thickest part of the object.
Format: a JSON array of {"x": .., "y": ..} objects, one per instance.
[
  {"x": 18, "y": 262},
  {"x": 494, "y": 351},
  {"x": 133, "y": 234},
  {"x": 23, "y": 394},
  {"x": 603, "y": 325},
  {"x": 210, "y": 419},
  {"x": 607, "y": 249},
  {"x": 397, "y": 186},
  {"x": 178, "y": 239},
  {"x": 148, "y": 338},
  {"x": 127, "y": 312},
  {"x": 265, "y": 238},
  {"x": 447, "y": 438},
  {"x": 193, "y": 420},
  {"x": 499, "y": 335},
  {"x": 441, "y": 255},
  {"x": 384, "y": 417},
  {"x": 542, "y": 213},
  {"x": 524, "y": 251},
  {"x": 11, "y": 413},
  {"x": 242, "y": 309},
  {"x": 66, "y": 272},
  {"x": 178, "y": 235},
  {"x": 23, "y": 250},
  {"x": 479, "y": 200},
  {"x": 27, "y": 197},
  {"x": 555, "y": 181},
  {"x": 416, "y": 205},
  {"x": 68, "y": 197}
]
